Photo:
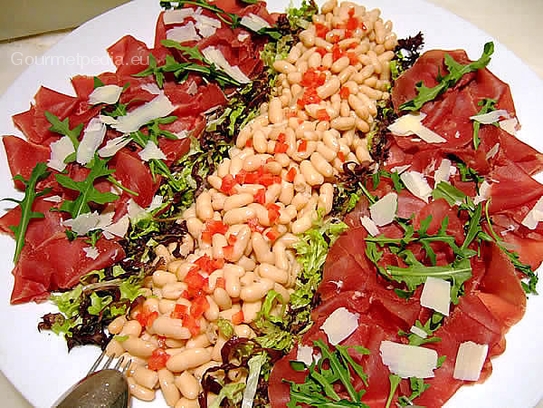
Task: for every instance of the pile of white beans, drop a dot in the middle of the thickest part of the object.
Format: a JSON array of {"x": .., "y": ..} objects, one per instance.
[{"x": 257, "y": 264}]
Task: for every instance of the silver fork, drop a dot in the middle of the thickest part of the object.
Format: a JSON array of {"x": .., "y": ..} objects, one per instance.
[{"x": 105, "y": 387}]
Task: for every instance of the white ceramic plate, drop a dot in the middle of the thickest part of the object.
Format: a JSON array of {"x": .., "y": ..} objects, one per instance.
[{"x": 38, "y": 363}]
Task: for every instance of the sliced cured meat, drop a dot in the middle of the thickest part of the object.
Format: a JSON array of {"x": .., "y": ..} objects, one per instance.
[
  {"x": 39, "y": 229},
  {"x": 512, "y": 188},
  {"x": 58, "y": 264},
  {"x": 428, "y": 67},
  {"x": 131, "y": 56},
  {"x": 500, "y": 288},
  {"x": 469, "y": 321},
  {"x": 134, "y": 175},
  {"x": 33, "y": 122},
  {"x": 23, "y": 156}
]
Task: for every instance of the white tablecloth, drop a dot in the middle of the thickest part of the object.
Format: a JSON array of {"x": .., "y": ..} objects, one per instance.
[{"x": 517, "y": 25}]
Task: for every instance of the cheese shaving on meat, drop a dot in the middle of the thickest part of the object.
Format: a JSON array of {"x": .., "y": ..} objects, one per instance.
[
  {"x": 254, "y": 23},
  {"x": 469, "y": 361},
  {"x": 206, "y": 26},
  {"x": 91, "y": 252},
  {"x": 534, "y": 216},
  {"x": 509, "y": 125},
  {"x": 93, "y": 136},
  {"x": 491, "y": 117},
  {"x": 370, "y": 226},
  {"x": 411, "y": 124},
  {"x": 113, "y": 146},
  {"x": 109, "y": 94},
  {"x": 133, "y": 120},
  {"x": 60, "y": 150},
  {"x": 183, "y": 33},
  {"x": 179, "y": 15},
  {"x": 383, "y": 211},
  {"x": 340, "y": 325},
  {"x": 417, "y": 184},
  {"x": 215, "y": 56},
  {"x": 151, "y": 151},
  {"x": 408, "y": 361}
]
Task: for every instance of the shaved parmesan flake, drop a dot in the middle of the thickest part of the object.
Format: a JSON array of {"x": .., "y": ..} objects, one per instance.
[
  {"x": 109, "y": 94},
  {"x": 206, "y": 26},
  {"x": 417, "y": 184},
  {"x": 254, "y": 23},
  {"x": 243, "y": 36},
  {"x": 108, "y": 120},
  {"x": 305, "y": 354},
  {"x": 493, "y": 151},
  {"x": 93, "y": 136},
  {"x": 484, "y": 193},
  {"x": 177, "y": 16},
  {"x": 534, "y": 216},
  {"x": 113, "y": 146},
  {"x": 192, "y": 88},
  {"x": 370, "y": 226},
  {"x": 408, "y": 361},
  {"x": 411, "y": 124},
  {"x": 491, "y": 117},
  {"x": 53, "y": 199},
  {"x": 133, "y": 120},
  {"x": 469, "y": 361},
  {"x": 383, "y": 211},
  {"x": 216, "y": 57},
  {"x": 119, "y": 228},
  {"x": 418, "y": 331},
  {"x": 400, "y": 169},
  {"x": 436, "y": 294},
  {"x": 83, "y": 223},
  {"x": 151, "y": 151},
  {"x": 443, "y": 172},
  {"x": 183, "y": 33},
  {"x": 509, "y": 125},
  {"x": 60, "y": 150},
  {"x": 152, "y": 88},
  {"x": 91, "y": 252},
  {"x": 340, "y": 325}
]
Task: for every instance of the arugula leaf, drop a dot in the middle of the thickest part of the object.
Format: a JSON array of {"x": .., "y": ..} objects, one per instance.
[
  {"x": 63, "y": 128},
  {"x": 456, "y": 72},
  {"x": 416, "y": 273},
  {"x": 431, "y": 325},
  {"x": 39, "y": 172},
  {"x": 87, "y": 192},
  {"x": 332, "y": 370},
  {"x": 488, "y": 105}
]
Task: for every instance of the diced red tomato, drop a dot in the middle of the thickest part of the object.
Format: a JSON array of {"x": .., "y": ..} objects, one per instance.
[
  {"x": 209, "y": 265},
  {"x": 291, "y": 174},
  {"x": 323, "y": 115},
  {"x": 158, "y": 359},
  {"x": 211, "y": 228},
  {"x": 192, "y": 324},
  {"x": 313, "y": 78},
  {"x": 309, "y": 97},
  {"x": 199, "y": 306},
  {"x": 280, "y": 147},
  {"x": 227, "y": 185},
  {"x": 337, "y": 52},
  {"x": 179, "y": 311},
  {"x": 249, "y": 143},
  {"x": 195, "y": 282},
  {"x": 273, "y": 234},
  {"x": 302, "y": 147},
  {"x": 273, "y": 212},
  {"x": 321, "y": 30},
  {"x": 254, "y": 225},
  {"x": 146, "y": 317},
  {"x": 260, "y": 196},
  {"x": 344, "y": 92},
  {"x": 238, "y": 317}
]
